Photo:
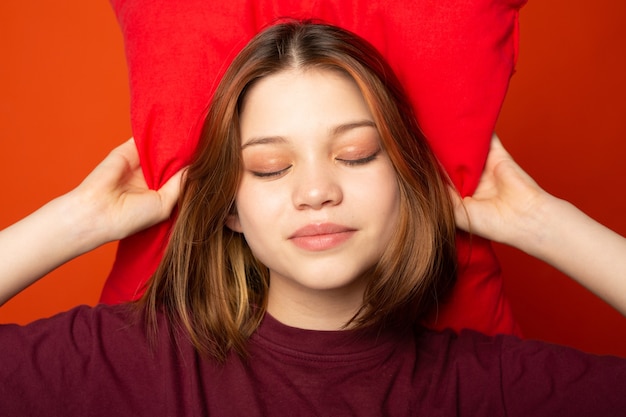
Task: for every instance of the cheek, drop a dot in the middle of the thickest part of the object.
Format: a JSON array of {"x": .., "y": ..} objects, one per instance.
[
  {"x": 388, "y": 211},
  {"x": 258, "y": 216},
  {"x": 257, "y": 208},
  {"x": 389, "y": 203},
  {"x": 379, "y": 192}
]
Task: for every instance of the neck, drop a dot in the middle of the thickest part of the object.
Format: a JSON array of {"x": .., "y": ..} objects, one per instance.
[{"x": 313, "y": 309}]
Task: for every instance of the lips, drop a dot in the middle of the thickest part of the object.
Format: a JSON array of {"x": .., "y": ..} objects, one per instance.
[{"x": 320, "y": 237}]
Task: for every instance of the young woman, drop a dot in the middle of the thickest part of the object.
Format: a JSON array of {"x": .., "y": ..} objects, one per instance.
[{"x": 315, "y": 232}]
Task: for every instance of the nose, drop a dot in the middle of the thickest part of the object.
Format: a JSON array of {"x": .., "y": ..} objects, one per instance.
[{"x": 316, "y": 188}]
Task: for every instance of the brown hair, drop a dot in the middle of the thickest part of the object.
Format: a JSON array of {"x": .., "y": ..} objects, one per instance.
[{"x": 210, "y": 284}]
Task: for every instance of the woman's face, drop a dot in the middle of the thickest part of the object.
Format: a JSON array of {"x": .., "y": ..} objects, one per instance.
[{"x": 318, "y": 201}]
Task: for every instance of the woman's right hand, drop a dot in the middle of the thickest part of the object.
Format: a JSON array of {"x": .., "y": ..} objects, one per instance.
[
  {"x": 113, "y": 202},
  {"x": 115, "y": 199}
]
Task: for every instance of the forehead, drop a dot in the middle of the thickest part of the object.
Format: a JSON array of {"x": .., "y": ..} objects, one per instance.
[{"x": 299, "y": 100}]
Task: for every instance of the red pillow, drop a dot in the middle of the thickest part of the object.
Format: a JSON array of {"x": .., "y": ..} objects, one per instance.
[{"x": 455, "y": 59}]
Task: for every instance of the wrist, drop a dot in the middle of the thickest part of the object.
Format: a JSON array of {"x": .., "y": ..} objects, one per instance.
[
  {"x": 535, "y": 223},
  {"x": 79, "y": 225},
  {"x": 543, "y": 231}
]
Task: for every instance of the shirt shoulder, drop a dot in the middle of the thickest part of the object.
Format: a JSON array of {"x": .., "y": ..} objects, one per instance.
[
  {"x": 523, "y": 377},
  {"x": 88, "y": 359}
]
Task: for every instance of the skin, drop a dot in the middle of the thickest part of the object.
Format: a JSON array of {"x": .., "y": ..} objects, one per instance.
[
  {"x": 509, "y": 207},
  {"x": 111, "y": 203},
  {"x": 318, "y": 201}
]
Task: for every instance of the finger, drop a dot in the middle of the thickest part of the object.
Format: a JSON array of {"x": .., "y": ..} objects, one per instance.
[
  {"x": 121, "y": 159},
  {"x": 461, "y": 216},
  {"x": 128, "y": 151},
  {"x": 498, "y": 149},
  {"x": 495, "y": 141},
  {"x": 170, "y": 191}
]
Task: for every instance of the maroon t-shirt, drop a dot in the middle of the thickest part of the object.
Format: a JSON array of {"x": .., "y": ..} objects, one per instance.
[{"x": 98, "y": 362}]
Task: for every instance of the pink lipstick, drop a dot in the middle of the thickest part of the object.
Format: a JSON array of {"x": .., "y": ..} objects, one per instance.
[{"x": 320, "y": 237}]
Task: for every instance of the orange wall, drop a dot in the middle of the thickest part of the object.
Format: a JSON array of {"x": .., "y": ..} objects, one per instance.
[
  {"x": 64, "y": 104},
  {"x": 565, "y": 122}
]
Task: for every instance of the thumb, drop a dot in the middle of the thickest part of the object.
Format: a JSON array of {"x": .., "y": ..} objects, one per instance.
[
  {"x": 461, "y": 216},
  {"x": 169, "y": 192}
]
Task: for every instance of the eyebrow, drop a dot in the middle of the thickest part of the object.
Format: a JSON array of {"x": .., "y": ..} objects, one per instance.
[
  {"x": 264, "y": 140},
  {"x": 335, "y": 131},
  {"x": 342, "y": 128}
]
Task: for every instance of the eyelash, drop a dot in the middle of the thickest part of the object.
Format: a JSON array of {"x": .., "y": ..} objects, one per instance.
[
  {"x": 270, "y": 174},
  {"x": 349, "y": 162},
  {"x": 361, "y": 161}
]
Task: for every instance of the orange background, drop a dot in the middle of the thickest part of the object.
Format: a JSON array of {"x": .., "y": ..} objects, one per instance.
[{"x": 64, "y": 105}]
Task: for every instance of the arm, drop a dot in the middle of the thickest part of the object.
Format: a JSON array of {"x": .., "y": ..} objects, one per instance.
[
  {"x": 111, "y": 203},
  {"x": 509, "y": 207}
]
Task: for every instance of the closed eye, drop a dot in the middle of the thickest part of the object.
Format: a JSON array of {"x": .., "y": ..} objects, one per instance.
[
  {"x": 270, "y": 174},
  {"x": 360, "y": 161}
]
